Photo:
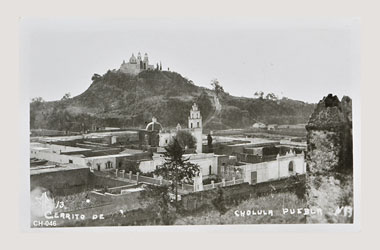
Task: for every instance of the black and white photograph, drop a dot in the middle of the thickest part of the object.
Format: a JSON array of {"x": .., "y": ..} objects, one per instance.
[{"x": 147, "y": 122}]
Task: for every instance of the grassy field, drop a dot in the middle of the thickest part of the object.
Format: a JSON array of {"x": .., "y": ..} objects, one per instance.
[{"x": 275, "y": 202}]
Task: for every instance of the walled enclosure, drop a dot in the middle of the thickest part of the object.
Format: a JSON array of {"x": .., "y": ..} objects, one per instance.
[{"x": 272, "y": 170}]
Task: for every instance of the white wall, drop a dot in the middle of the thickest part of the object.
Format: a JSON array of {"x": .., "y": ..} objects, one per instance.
[
  {"x": 165, "y": 138},
  {"x": 197, "y": 133},
  {"x": 273, "y": 170},
  {"x": 150, "y": 166},
  {"x": 102, "y": 161},
  {"x": 203, "y": 160},
  {"x": 49, "y": 155}
]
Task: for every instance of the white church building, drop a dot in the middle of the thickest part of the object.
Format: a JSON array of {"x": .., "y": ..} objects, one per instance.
[
  {"x": 208, "y": 163},
  {"x": 194, "y": 128},
  {"x": 137, "y": 65}
]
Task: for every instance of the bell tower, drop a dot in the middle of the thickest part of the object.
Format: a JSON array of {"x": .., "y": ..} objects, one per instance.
[{"x": 195, "y": 118}]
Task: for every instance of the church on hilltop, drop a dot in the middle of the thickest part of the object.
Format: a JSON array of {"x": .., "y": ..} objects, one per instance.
[{"x": 137, "y": 65}]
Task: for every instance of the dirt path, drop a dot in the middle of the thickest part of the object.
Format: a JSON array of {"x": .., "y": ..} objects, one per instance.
[{"x": 217, "y": 110}]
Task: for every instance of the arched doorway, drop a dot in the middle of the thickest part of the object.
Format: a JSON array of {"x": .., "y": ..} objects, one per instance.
[{"x": 291, "y": 167}]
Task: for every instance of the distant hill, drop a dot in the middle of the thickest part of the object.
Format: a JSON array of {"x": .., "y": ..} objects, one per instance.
[{"x": 119, "y": 100}]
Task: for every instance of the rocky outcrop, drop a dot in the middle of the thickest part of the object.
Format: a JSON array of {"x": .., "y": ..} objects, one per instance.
[{"x": 329, "y": 160}]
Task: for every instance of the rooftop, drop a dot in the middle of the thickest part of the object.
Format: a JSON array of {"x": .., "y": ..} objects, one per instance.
[
  {"x": 87, "y": 136},
  {"x": 108, "y": 156}
]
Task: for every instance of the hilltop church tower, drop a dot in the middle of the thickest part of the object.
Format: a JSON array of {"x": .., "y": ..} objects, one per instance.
[
  {"x": 195, "y": 125},
  {"x": 146, "y": 60},
  {"x": 138, "y": 57}
]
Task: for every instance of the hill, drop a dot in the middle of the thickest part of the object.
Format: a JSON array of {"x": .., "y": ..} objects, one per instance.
[{"x": 119, "y": 100}]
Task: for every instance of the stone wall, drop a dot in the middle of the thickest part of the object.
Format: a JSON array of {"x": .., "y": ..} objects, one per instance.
[
  {"x": 67, "y": 182},
  {"x": 236, "y": 193},
  {"x": 329, "y": 159},
  {"x": 62, "y": 182},
  {"x": 98, "y": 182}
]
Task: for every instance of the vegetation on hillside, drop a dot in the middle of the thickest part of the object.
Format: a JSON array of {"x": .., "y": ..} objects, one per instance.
[{"x": 116, "y": 99}]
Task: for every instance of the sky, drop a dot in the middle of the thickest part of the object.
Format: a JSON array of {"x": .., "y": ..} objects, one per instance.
[{"x": 296, "y": 58}]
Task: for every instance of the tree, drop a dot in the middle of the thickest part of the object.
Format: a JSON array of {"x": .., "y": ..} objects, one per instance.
[
  {"x": 96, "y": 77},
  {"x": 35, "y": 104},
  {"x": 162, "y": 204},
  {"x": 271, "y": 96},
  {"x": 66, "y": 97},
  {"x": 37, "y": 100},
  {"x": 204, "y": 103},
  {"x": 217, "y": 87},
  {"x": 129, "y": 165},
  {"x": 176, "y": 168},
  {"x": 60, "y": 119},
  {"x": 186, "y": 139},
  {"x": 259, "y": 94}
]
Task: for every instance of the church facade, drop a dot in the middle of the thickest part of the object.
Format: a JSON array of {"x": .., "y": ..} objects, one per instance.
[
  {"x": 136, "y": 65},
  {"x": 194, "y": 128}
]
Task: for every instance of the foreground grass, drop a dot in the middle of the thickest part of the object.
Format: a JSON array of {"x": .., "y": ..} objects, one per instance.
[{"x": 274, "y": 202}]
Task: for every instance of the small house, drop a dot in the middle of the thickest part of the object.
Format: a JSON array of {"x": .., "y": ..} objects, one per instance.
[
  {"x": 272, "y": 127},
  {"x": 259, "y": 125}
]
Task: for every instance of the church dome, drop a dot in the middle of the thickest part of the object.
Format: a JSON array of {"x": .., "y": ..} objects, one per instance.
[
  {"x": 154, "y": 125},
  {"x": 133, "y": 59}
]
